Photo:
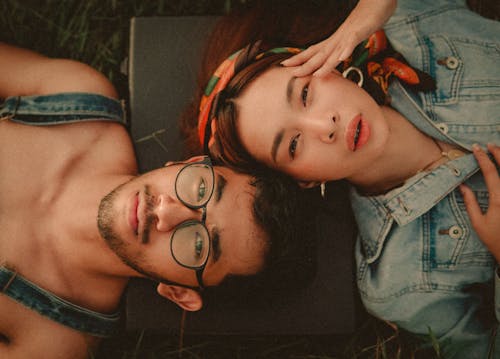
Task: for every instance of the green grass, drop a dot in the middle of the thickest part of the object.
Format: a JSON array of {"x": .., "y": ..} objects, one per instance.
[
  {"x": 92, "y": 31},
  {"x": 96, "y": 32},
  {"x": 373, "y": 339}
]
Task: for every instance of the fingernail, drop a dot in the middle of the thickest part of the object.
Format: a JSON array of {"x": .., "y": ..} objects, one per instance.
[{"x": 475, "y": 147}]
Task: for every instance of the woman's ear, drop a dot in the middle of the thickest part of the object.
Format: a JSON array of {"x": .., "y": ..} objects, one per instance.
[
  {"x": 187, "y": 299},
  {"x": 308, "y": 184}
]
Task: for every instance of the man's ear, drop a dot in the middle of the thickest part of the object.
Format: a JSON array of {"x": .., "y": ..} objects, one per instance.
[
  {"x": 190, "y": 160},
  {"x": 308, "y": 184},
  {"x": 187, "y": 299}
]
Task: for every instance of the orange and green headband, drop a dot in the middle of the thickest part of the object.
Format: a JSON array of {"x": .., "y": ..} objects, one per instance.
[
  {"x": 375, "y": 59},
  {"x": 219, "y": 80}
]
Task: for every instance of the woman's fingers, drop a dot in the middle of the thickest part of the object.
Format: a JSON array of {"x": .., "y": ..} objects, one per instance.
[
  {"x": 472, "y": 207},
  {"x": 489, "y": 170}
]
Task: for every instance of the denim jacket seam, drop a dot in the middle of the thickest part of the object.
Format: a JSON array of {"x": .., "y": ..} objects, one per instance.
[
  {"x": 433, "y": 287},
  {"x": 423, "y": 14}
]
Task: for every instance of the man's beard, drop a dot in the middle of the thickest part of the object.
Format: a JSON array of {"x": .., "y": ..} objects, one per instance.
[{"x": 105, "y": 223}]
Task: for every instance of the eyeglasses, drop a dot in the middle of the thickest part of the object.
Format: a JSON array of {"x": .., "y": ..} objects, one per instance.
[{"x": 190, "y": 242}]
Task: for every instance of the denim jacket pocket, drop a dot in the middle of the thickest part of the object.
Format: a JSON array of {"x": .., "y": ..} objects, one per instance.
[
  {"x": 464, "y": 69},
  {"x": 452, "y": 241}
]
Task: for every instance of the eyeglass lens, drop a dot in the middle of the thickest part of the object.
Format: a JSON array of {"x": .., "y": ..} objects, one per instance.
[{"x": 190, "y": 242}]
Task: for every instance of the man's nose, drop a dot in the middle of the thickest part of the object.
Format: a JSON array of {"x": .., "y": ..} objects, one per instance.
[
  {"x": 321, "y": 126},
  {"x": 170, "y": 212}
]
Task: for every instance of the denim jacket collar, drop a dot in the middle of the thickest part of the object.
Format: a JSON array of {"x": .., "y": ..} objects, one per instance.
[{"x": 417, "y": 196}]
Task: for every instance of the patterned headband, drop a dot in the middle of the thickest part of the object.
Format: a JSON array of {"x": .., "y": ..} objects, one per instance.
[
  {"x": 375, "y": 59},
  {"x": 219, "y": 80}
]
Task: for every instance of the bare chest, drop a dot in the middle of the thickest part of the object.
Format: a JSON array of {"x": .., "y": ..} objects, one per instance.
[{"x": 39, "y": 167}]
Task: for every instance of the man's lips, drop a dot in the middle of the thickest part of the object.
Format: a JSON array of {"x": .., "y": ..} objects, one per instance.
[
  {"x": 357, "y": 133},
  {"x": 133, "y": 218}
]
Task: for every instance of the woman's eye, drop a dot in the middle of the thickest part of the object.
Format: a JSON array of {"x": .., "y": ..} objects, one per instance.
[
  {"x": 201, "y": 189},
  {"x": 293, "y": 146},
  {"x": 303, "y": 94}
]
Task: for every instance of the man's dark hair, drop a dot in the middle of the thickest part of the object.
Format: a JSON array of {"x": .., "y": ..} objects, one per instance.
[{"x": 285, "y": 212}]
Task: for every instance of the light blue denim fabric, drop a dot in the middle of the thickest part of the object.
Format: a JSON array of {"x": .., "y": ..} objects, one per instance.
[
  {"x": 52, "y": 110},
  {"x": 62, "y": 108},
  {"x": 56, "y": 308},
  {"x": 420, "y": 264}
]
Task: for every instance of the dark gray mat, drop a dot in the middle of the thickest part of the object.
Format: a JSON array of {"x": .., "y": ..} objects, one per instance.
[{"x": 164, "y": 55}]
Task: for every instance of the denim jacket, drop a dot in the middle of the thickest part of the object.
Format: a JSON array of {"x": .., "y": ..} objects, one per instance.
[{"x": 420, "y": 264}]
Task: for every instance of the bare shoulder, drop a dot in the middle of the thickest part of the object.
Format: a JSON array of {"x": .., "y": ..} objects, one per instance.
[
  {"x": 64, "y": 75},
  {"x": 26, "y": 334}
]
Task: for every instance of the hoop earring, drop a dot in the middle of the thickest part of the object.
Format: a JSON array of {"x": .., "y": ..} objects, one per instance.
[{"x": 358, "y": 71}]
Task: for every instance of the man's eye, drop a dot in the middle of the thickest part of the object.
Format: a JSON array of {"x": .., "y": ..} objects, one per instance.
[
  {"x": 198, "y": 246},
  {"x": 303, "y": 94},
  {"x": 201, "y": 189},
  {"x": 293, "y": 146}
]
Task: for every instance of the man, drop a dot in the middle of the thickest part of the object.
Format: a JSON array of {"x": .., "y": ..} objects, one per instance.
[{"x": 62, "y": 272}]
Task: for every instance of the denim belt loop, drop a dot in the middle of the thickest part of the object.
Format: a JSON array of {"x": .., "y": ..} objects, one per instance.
[
  {"x": 10, "y": 115},
  {"x": 13, "y": 275}
]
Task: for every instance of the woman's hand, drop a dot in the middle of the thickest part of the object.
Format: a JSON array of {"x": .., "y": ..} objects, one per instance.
[
  {"x": 487, "y": 225},
  {"x": 323, "y": 57}
]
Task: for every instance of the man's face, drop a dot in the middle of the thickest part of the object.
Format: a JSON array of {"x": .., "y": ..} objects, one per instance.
[{"x": 138, "y": 218}]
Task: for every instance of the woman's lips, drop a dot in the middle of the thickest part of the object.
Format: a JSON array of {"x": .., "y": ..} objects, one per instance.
[
  {"x": 357, "y": 133},
  {"x": 133, "y": 221},
  {"x": 364, "y": 134}
]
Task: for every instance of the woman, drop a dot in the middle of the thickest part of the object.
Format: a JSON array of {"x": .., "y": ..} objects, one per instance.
[
  {"x": 403, "y": 141},
  {"x": 294, "y": 22}
]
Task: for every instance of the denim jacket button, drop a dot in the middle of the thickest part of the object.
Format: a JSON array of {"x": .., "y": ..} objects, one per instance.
[
  {"x": 455, "y": 232},
  {"x": 443, "y": 127},
  {"x": 450, "y": 62}
]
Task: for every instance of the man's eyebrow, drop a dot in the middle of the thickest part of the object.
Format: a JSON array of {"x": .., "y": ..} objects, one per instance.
[
  {"x": 215, "y": 245},
  {"x": 220, "y": 186}
]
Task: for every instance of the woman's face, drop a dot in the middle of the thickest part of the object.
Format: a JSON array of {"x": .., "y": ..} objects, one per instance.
[{"x": 311, "y": 128}]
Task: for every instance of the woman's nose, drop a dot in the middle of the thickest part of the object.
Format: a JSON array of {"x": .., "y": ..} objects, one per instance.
[
  {"x": 322, "y": 127},
  {"x": 170, "y": 212}
]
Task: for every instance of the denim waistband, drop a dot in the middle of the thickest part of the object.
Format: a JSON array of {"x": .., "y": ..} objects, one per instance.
[
  {"x": 62, "y": 108},
  {"x": 55, "y": 308}
]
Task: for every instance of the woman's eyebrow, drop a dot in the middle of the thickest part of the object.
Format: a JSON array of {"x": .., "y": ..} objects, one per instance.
[
  {"x": 276, "y": 143},
  {"x": 279, "y": 136},
  {"x": 289, "y": 89}
]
